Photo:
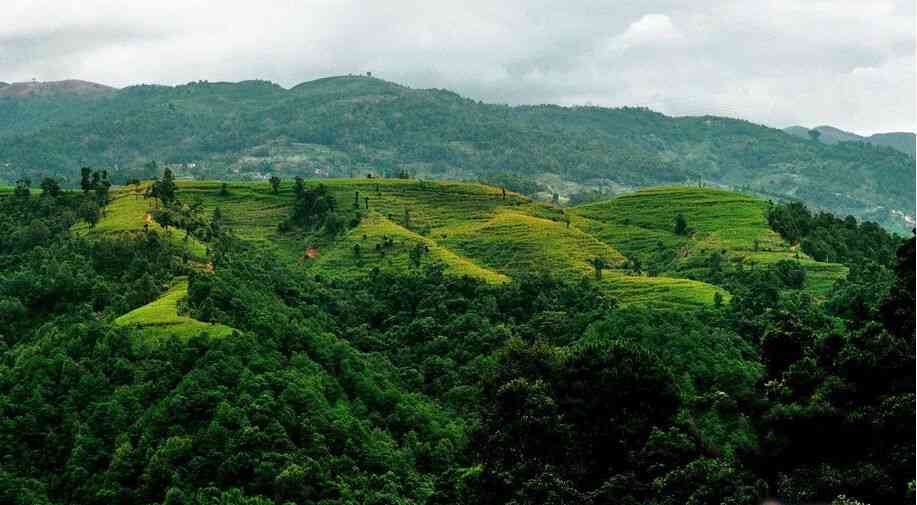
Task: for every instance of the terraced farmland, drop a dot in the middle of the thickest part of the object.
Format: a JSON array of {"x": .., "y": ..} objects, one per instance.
[
  {"x": 161, "y": 318},
  {"x": 731, "y": 224},
  {"x": 482, "y": 232}
]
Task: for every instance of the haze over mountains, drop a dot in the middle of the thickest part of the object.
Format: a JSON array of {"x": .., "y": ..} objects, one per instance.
[
  {"x": 352, "y": 125},
  {"x": 905, "y": 142},
  {"x": 71, "y": 87}
]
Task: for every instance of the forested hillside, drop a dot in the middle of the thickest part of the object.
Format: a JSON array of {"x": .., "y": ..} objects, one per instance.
[
  {"x": 344, "y": 126},
  {"x": 405, "y": 342},
  {"x": 900, "y": 141}
]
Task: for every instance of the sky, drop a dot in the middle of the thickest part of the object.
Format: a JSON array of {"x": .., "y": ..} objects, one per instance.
[{"x": 846, "y": 63}]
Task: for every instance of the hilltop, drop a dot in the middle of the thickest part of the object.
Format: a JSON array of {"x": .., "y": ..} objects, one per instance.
[
  {"x": 478, "y": 231},
  {"x": 69, "y": 87},
  {"x": 348, "y": 125},
  {"x": 905, "y": 142}
]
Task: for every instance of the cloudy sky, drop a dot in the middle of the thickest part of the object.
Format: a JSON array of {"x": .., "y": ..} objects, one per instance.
[{"x": 848, "y": 63}]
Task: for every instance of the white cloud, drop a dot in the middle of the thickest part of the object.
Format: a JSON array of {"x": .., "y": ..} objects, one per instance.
[
  {"x": 844, "y": 62},
  {"x": 649, "y": 30}
]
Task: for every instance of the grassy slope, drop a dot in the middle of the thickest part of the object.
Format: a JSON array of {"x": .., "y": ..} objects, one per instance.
[
  {"x": 372, "y": 231},
  {"x": 475, "y": 230},
  {"x": 733, "y": 224},
  {"x": 160, "y": 318},
  {"x": 127, "y": 213}
]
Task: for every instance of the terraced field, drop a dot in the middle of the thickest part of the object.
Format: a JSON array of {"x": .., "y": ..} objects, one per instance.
[
  {"x": 482, "y": 232},
  {"x": 732, "y": 224},
  {"x": 127, "y": 213},
  {"x": 161, "y": 318},
  {"x": 370, "y": 239}
]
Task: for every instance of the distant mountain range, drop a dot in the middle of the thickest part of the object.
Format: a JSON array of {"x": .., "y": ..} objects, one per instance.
[
  {"x": 906, "y": 142},
  {"x": 353, "y": 125},
  {"x": 71, "y": 87}
]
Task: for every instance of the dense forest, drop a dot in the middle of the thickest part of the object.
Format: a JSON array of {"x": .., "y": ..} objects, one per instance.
[
  {"x": 423, "y": 387},
  {"x": 343, "y": 126}
]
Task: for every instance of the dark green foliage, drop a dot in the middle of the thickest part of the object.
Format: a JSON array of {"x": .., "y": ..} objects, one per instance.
[
  {"x": 48, "y": 274},
  {"x": 595, "y": 423},
  {"x": 598, "y": 265},
  {"x": 790, "y": 273},
  {"x": 586, "y": 197},
  {"x": 163, "y": 189},
  {"x": 186, "y": 217},
  {"x": 50, "y": 187},
  {"x": 898, "y": 308},
  {"x": 89, "y": 212},
  {"x": 275, "y": 184},
  {"x": 681, "y": 225},
  {"x": 424, "y": 388},
  {"x": 519, "y": 184},
  {"x": 416, "y": 254},
  {"x": 838, "y": 392},
  {"x": 825, "y": 237},
  {"x": 313, "y": 207},
  {"x": 23, "y": 189}
]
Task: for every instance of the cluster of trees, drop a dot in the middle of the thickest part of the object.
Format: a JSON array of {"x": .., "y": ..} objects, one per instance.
[
  {"x": 171, "y": 212},
  {"x": 516, "y": 183},
  {"x": 95, "y": 186},
  {"x": 426, "y": 388},
  {"x": 826, "y": 237},
  {"x": 315, "y": 209}
]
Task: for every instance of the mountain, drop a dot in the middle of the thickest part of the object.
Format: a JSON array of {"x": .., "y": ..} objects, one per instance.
[
  {"x": 70, "y": 87},
  {"x": 347, "y": 125},
  {"x": 900, "y": 141},
  {"x": 906, "y": 142}
]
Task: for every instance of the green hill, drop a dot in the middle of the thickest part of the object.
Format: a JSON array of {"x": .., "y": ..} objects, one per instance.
[
  {"x": 349, "y": 125},
  {"x": 728, "y": 224},
  {"x": 477, "y": 230}
]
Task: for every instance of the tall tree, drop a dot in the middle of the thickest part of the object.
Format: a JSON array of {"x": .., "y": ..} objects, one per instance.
[
  {"x": 50, "y": 187},
  {"x": 86, "y": 179},
  {"x": 89, "y": 212},
  {"x": 681, "y": 224},
  {"x": 23, "y": 188}
]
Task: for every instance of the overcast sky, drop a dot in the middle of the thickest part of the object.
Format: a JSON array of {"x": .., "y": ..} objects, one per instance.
[{"x": 847, "y": 63}]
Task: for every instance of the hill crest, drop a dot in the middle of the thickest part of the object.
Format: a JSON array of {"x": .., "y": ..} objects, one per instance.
[
  {"x": 905, "y": 142},
  {"x": 67, "y": 87}
]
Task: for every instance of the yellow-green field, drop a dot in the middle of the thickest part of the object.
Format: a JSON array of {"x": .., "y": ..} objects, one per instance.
[
  {"x": 477, "y": 230},
  {"x": 161, "y": 318},
  {"x": 721, "y": 221},
  {"x": 127, "y": 212}
]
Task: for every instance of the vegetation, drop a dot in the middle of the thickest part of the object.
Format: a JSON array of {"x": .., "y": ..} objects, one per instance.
[
  {"x": 351, "y": 126},
  {"x": 704, "y": 234},
  {"x": 452, "y": 346},
  {"x": 828, "y": 238}
]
